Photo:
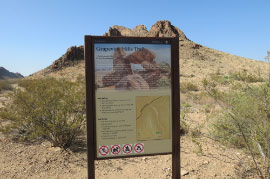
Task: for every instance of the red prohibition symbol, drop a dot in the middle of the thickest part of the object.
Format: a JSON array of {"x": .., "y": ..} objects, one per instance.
[
  {"x": 103, "y": 150},
  {"x": 115, "y": 149},
  {"x": 127, "y": 148},
  {"x": 139, "y": 148}
]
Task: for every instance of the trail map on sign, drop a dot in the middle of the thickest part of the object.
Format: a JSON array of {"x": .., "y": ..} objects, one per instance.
[{"x": 153, "y": 114}]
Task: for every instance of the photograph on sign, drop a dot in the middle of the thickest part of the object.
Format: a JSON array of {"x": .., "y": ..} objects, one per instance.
[{"x": 133, "y": 97}]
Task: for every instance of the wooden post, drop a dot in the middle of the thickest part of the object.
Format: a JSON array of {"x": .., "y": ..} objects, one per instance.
[
  {"x": 176, "y": 111},
  {"x": 90, "y": 107}
]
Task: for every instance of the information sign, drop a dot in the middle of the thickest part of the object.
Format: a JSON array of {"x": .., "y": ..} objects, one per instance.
[{"x": 132, "y": 96}]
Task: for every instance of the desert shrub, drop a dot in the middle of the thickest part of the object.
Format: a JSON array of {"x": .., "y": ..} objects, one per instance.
[
  {"x": 247, "y": 113},
  {"x": 5, "y": 85},
  {"x": 224, "y": 80},
  {"x": 246, "y": 77},
  {"x": 245, "y": 121},
  {"x": 238, "y": 76},
  {"x": 184, "y": 128},
  {"x": 48, "y": 108},
  {"x": 188, "y": 86}
]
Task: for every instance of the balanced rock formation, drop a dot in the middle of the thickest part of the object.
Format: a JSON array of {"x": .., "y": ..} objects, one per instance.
[
  {"x": 122, "y": 75},
  {"x": 132, "y": 82},
  {"x": 140, "y": 56},
  {"x": 121, "y": 68}
]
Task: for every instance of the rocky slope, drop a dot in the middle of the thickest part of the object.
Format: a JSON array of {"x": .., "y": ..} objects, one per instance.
[
  {"x": 196, "y": 61},
  {"x": 5, "y": 74},
  {"x": 160, "y": 29}
]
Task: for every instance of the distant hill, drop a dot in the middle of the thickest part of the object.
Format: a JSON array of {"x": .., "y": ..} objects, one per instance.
[{"x": 5, "y": 74}]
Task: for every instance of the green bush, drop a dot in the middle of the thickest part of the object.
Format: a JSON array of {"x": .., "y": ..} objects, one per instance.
[
  {"x": 247, "y": 77},
  {"x": 184, "y": 128},
  {"x": 185, "y": 87},
  {"x": 48, "y": 108},
  {"x": 247, "y": 113},
  {"x": 5, "y": 85},
  {"x": 245, "y": 121},
  {"x": 224, "y": 80}
]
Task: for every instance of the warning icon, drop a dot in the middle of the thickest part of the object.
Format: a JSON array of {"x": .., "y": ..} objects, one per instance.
[
  {"x": 127, "y": 148},
  {"x": 103, "y": 150},
  {"x": 139, "y": 148},
  {"x": 115, "y": 149}
]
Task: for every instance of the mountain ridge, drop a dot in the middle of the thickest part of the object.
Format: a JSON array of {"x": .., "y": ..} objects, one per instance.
[{"x": 5, "y": 74}]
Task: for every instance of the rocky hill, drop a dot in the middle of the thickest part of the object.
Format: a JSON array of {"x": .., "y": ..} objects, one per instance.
[
  {"x": 196, "y": 61},
  {"x": 5, "y": 74},
  {"x": 159, "y": 29}
]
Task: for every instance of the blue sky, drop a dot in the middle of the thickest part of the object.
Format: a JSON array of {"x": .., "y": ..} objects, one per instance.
[{"x": 34, "y": 33}]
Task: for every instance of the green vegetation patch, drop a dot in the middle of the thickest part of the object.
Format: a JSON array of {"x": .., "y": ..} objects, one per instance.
[
  {"x": 247, "y": 77},
  {"x": 244, "y": 121},
  {"x": 47, "y": 108},
  {"x": 5, "y": 85}
]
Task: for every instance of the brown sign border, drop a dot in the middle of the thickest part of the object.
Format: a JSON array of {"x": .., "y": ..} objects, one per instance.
[{"x": 90, "y": 100}]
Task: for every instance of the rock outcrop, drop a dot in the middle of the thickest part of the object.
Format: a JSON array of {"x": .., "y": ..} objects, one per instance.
[
  {"x": 162, "y": 28},
  {"x": 5, "y": 74},
  {"x": 72, "y": 55},
  {"x": 165, "y": 29}
]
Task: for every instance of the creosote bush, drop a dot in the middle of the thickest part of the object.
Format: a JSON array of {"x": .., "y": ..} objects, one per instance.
[
  {"x": 245, "y": 120},
  {"x": 48, "y": 108},
  {"x": 188, "y": 86},
  {"x": 5, "y": 85},
  {"x": 247, "y": 77}
]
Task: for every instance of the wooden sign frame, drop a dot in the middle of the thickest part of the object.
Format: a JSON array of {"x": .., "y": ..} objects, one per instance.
[{"x": 91, "y": 100}]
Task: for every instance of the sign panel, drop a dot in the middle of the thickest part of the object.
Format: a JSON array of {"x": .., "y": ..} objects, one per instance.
[{"x": 133, "y": 96}]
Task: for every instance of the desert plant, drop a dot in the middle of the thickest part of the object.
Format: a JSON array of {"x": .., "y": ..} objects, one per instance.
[
  {"x": 184, "y": 128},
  {"x": 245, "y": 121},
  {"x": 5, "y": 85},
  {"x": 247, "y": 77},
  {"x": 48, "y": 108},
  {"x": 188, "y": 86},
  {"x": 224, "y": 80}
]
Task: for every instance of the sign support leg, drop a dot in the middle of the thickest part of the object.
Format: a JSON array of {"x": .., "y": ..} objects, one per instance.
[{"x": 176, "y": 171}]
